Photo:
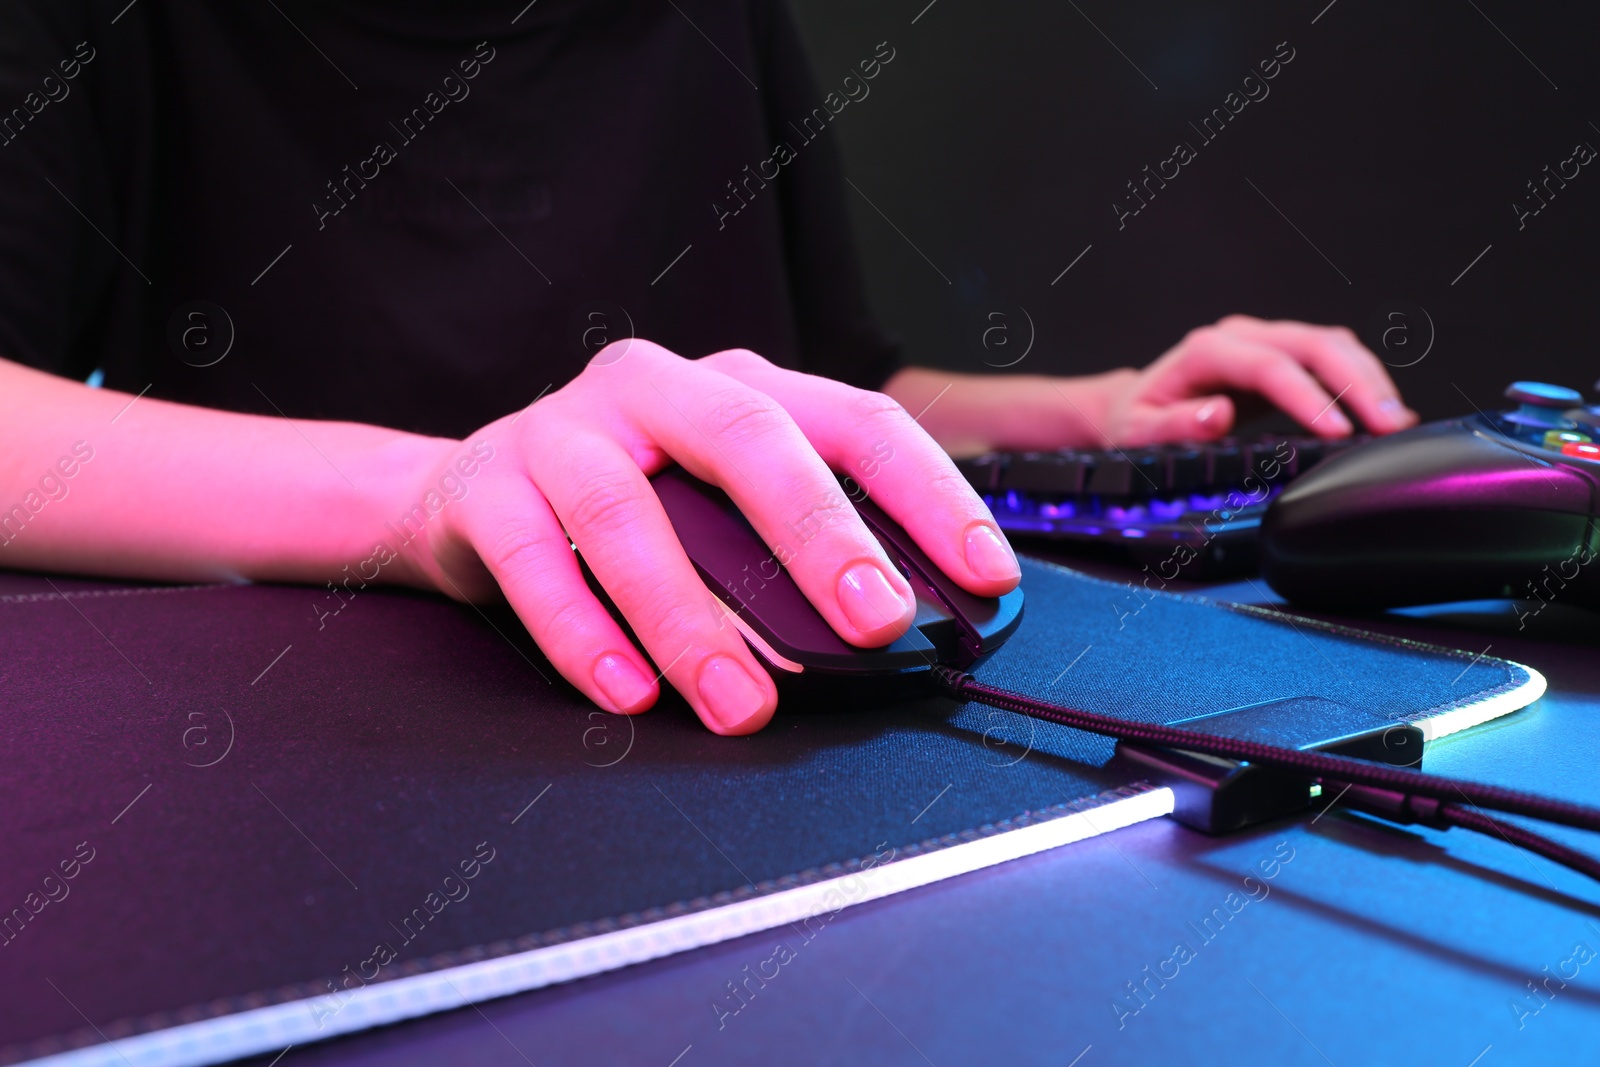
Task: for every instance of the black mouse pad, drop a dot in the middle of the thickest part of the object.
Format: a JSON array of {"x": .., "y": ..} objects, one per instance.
[{"x": 233, "y": 823}]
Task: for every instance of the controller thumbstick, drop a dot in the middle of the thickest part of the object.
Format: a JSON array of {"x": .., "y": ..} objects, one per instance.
[{"x": 1540, "y": 404}]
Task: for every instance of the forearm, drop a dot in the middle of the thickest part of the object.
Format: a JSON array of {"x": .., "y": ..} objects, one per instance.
[
  {"x": 96, "y": 482},
  {"x": 980, "y": 412}
]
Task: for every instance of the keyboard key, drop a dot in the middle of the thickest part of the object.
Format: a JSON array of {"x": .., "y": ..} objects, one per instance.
[
  {"x": 1185, "y": 470},
  {"x": 1271, "y": 459},
  {"x": 1056, "y": 473},
  {"x": 984, "y": 472},
  {"x": 1308, "y": 452},
  {"x": 1121, "y": 474},
  {"x": 1224, "y": 465}
]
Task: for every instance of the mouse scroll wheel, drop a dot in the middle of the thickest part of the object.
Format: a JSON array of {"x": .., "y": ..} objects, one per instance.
[
  {"x": 908, "y": 570},
  {"x": 933, "y": 604}
]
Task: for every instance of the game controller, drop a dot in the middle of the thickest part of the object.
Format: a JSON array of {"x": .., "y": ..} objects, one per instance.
[{"x": 1482, "y": 507}]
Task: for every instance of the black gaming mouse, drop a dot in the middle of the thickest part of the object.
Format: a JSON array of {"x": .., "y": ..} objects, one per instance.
[{"x": 952, "y": 627}]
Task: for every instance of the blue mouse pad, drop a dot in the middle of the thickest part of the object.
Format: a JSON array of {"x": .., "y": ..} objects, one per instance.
[{"x": 233, "y": 823}]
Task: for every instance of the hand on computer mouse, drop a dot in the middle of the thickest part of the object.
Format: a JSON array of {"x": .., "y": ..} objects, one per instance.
[
  {"x": 1303, "y": 369},
  {"x": 576, "y": 462}
]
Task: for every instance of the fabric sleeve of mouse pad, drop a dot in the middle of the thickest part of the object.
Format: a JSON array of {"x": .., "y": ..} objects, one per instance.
[{"x": 218, "y": 797}]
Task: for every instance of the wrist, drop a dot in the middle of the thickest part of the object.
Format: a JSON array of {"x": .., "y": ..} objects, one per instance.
[
  {"x": 967, "y": 414},
  {"x": 979, "y": 413},
  {"x": 408, "y": 482},
  {"x": 1103, "y": 395}
]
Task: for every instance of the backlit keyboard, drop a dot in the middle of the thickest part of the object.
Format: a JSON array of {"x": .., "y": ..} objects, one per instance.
[{"x": 1198, "y": 504}]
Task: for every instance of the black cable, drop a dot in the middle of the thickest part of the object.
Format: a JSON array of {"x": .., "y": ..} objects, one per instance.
[
  {"x": 1318, "y": 765},
  {"x": 1398, "y": 807},
  {"x": 1395, "y": 793},
  {"x": 1516, "y": 835}
]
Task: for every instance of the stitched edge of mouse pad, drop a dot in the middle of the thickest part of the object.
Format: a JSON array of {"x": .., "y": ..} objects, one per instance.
[
  {"x": 233, "y": 1027},
  {"x": 265, "y": 1021},
  {"x": 108, "y": 591}
]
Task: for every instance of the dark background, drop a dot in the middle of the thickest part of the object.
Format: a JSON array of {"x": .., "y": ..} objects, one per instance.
[{"x": 1397, "y": 140}]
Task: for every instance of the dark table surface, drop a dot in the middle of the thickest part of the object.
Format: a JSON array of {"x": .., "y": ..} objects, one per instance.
[{"x": 1374, "y": 944}]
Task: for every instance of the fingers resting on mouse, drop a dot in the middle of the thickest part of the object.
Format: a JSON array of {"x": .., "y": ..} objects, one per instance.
[{"x": 577, "y": 465}]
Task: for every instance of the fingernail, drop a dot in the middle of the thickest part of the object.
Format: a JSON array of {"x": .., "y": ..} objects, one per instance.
[
  {"x": 731, "y": 695},
  {"x": 868, "y": 600},
  {"x": 622, "y": 683},
  {"x": 1397, "y": 413},
  {"x": 1336, "y": 421},
  {"x": 989, "y": 556},
  {"x": 1208, "y": 409}
]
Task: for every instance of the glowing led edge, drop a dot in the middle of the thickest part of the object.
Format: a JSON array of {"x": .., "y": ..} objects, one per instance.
[
  {"x": 269, "y": 1029},
  {"x": 1449, "y": 722},
  {"x": 272, "y": 1028}
]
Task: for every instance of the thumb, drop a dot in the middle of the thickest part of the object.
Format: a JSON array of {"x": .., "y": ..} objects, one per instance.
[{"x": 1200, "y": 418}]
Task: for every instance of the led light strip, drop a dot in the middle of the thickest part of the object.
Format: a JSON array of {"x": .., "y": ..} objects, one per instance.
[
  {"x": 300, "y": 1022},
  {"x": 1458, "y": 719}
]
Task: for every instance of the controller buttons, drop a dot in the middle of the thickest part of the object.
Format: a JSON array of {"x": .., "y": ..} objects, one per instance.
[
  {"x": 1581, "y": 450},
  {"x": 1559, "y": 439}
]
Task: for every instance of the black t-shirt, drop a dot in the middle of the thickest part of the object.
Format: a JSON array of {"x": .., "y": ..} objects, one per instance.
[{"x": 417, "y": 214}]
